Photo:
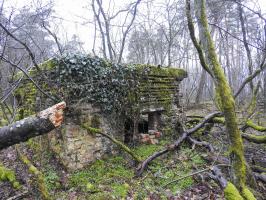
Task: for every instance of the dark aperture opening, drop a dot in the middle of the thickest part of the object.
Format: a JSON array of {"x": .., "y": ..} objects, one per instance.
[{"x": 141, "y": 127}]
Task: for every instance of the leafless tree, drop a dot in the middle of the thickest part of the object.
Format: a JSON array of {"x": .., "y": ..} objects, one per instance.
[{"x": 104, "y": 21}]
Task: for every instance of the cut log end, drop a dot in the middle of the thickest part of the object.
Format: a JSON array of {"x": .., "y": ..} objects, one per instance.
[
  {"x": 54, "y": 114},
  {"x": 32, "y": 126}
]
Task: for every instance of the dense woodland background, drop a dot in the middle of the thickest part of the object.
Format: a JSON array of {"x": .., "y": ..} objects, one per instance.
[{"x": 151, "y": 32}]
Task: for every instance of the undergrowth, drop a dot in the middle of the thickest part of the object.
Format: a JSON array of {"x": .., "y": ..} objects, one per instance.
[{"x": 114, "y": 178}]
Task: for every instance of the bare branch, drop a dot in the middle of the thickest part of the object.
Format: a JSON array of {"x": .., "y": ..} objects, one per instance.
[
  {"x": 252, "y": 76},
  {"x": 54, "y": 37},
  {"x": 28, "y": 76},
  {"x": 127, "y": 30},
  {"x": 186, "y": 133},
  {"x": 23, "y": 44}
]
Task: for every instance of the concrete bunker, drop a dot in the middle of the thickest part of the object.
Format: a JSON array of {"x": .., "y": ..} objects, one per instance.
[{"x": 133, "y": 103}]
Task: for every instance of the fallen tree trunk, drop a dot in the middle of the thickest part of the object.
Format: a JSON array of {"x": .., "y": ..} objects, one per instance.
[
  {"x": 173, "y": 146},
  {"x": 251, "y": 124},
  {"x": 259, "y": 139},
  {"x": 32, "y": 126}
]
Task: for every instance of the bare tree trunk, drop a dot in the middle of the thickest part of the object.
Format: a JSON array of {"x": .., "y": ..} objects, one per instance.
[
  {"x": 201, "y": 86},
  {"x": 250, "y": 65},
  {"x": 107, "y": 30},
  {"x": 264, "y": 96},
  {"x": 169, "y": 53},
  {"x": 22, "y": 130},
  {"x": 97, "y": 16},
  {"x": 127, "y": 31}
]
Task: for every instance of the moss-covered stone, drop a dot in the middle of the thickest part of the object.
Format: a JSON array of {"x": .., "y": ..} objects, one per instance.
[
  {"x": 160, "y": 71},
  {"x": 117, "y": 91}
]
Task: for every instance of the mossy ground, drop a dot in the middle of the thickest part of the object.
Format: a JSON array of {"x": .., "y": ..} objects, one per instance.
[{"x": 114, "y": 178}]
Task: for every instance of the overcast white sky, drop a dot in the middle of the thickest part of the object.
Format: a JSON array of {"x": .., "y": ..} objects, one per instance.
[{"x": 75, "y": 12}]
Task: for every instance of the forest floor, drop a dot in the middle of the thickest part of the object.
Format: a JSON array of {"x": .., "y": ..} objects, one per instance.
[{"x": 113, "y": 177}]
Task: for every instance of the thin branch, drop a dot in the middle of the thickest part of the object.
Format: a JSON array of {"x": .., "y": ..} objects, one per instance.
[
  {"x": 256, "y": 12},
  {"x": 228, "y": 33},
  {"x": 54, "y": 37},
  {"x": 252, "y": 76},
  {"x": 28, "y": 76},
  {"x": 23, "y": 44}
]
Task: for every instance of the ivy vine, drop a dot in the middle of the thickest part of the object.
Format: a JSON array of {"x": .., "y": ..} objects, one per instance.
[{"x": 95, "y": 80}]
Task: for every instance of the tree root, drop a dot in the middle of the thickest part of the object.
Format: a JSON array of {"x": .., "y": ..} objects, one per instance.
[
  {"x": 260, "y": 177},
  {"x": 258, "y": 169},
  {"x": 19, "y": 196}
]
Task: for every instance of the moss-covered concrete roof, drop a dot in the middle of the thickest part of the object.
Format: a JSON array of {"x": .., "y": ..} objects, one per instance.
[{"x": 113, "y": 86}]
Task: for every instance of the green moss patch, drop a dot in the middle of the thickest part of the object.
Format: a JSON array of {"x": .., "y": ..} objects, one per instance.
[
  {"x": 8, "y": 175},
  {"x": 231, "y": 193},
  {"x": 114, "y": 177}
]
